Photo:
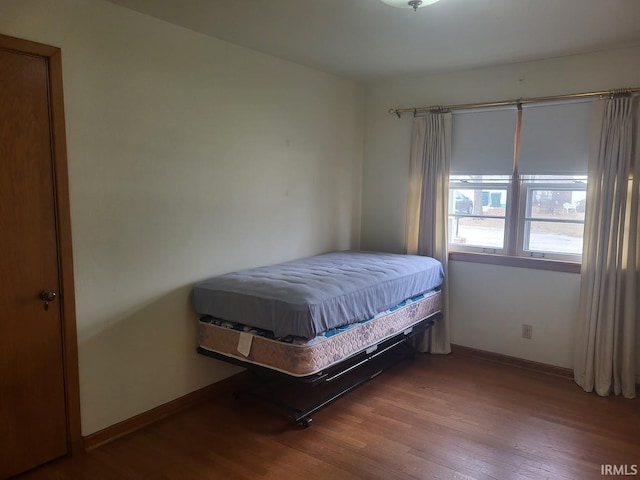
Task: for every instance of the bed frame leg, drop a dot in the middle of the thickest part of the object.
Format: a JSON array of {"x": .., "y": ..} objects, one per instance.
[{"x": 305, "y": 422}]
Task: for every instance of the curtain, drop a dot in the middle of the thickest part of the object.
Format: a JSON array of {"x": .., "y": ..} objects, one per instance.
[
  {"x": 427, "y": 208},
  {"x": 605, "y": 353}
]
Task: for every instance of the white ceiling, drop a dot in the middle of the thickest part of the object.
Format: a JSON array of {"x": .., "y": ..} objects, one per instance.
[{"x": 368, "y": 40}]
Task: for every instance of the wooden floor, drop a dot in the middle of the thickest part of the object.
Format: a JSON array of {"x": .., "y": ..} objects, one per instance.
[{"x": 434, "y": 417}]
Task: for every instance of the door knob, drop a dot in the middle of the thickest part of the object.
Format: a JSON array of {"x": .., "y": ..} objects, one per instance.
[{"x": 47, "y": 296}]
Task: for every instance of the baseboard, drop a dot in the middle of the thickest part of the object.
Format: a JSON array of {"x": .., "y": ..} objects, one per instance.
[
  {"x": 160, "y": 412},
  {"x": 513, "y": 361}
]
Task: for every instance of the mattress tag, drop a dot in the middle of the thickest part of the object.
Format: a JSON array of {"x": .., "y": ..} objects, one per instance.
[{"x": 244, "y": 343}]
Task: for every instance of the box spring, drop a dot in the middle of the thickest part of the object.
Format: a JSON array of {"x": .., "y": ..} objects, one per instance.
[{"x": 300, "y": 358}]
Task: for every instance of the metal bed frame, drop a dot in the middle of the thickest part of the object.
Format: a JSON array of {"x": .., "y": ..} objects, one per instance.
[{"x": 341, "y": 378}]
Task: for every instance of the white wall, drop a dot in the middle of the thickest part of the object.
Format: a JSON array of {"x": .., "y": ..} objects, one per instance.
[
  {"x": 188, "y": 157},
  {"x": 489, "y": 303}
]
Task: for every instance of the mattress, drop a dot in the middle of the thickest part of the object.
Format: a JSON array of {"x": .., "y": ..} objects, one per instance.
[
  {"x": 300, "y": 357},
  {"x": 309, "y": 296}
]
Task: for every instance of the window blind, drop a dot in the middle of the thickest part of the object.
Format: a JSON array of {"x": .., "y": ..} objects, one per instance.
[
  {"x": 482, "y": 141},
  {"x": 554, "y": 139}
]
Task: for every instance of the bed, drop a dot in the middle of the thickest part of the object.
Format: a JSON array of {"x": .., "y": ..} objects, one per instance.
[{"x": 316, "y": 319}]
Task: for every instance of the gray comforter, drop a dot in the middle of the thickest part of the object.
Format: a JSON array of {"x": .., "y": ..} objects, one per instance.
[{"x": 309, "y": 296}]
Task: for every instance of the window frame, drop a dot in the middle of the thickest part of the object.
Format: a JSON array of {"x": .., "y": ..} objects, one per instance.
[
  {"x": 515, "y": 223},
  {"x": 452, "y": 215},
  {"x": 516, "y": 262},
  {"x": 524, "y": 221}
]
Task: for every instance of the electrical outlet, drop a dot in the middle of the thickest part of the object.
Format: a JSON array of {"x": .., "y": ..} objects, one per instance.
[{"x": 527, "y": 331}]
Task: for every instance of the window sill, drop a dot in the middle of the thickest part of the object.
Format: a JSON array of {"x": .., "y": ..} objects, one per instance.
[{"x": 521, "y": 262}]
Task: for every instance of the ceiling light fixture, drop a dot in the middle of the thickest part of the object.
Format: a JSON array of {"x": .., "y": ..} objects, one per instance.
[{"x": 415, "y": 4}]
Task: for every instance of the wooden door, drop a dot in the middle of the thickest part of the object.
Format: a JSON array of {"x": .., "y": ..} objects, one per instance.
[{"x": 33, "y": 417}]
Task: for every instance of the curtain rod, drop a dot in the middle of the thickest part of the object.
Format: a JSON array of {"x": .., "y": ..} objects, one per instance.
[{"x": 519, "y": 101}]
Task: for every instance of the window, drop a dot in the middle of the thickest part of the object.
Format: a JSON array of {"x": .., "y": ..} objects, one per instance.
[
  {"x": 553, "y": 218},
  {"x": 477, "y": 211},
  {"x": 529, "y": 204}
]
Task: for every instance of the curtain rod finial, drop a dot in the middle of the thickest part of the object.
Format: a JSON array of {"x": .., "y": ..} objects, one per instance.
[{"x": 394, "y": 111}]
